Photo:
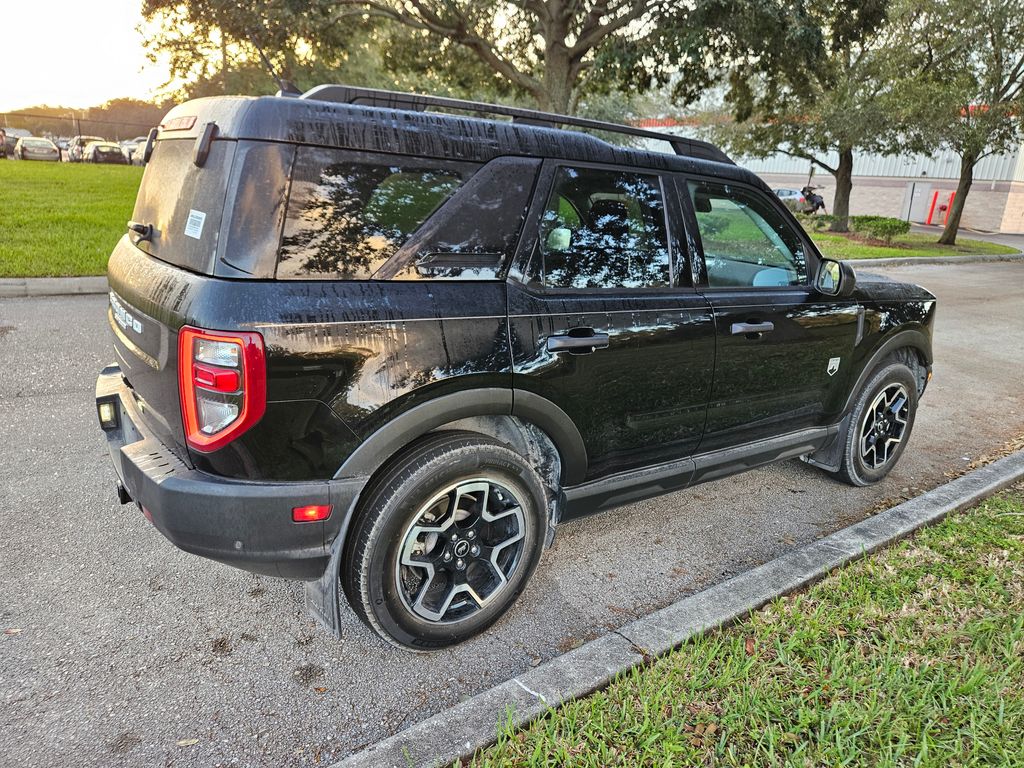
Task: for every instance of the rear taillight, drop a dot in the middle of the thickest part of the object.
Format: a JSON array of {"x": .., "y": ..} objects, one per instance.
[{"x": 222, "y": 378}]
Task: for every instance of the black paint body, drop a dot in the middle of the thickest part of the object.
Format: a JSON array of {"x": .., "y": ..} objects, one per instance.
[{"x": 458, "y": 326}]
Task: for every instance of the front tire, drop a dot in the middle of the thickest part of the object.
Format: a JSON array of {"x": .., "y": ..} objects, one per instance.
[
  {"x": 445, "y": 542},
  {"x": 881, "y": 423}
]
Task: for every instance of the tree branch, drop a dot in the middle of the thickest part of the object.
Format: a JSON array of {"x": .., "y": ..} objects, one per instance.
[{"x": 811, "y": 158}]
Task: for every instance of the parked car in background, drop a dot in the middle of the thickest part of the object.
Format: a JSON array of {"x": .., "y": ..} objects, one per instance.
[
  {"x": 103, "y": 152},
  {"x": 792, "y": 199},
  {"x": 77, "y": 145},
  {"x": 11, "y": 136},
  {"x": 128, "y": 146},
  {"x": 36, "y": 149}
]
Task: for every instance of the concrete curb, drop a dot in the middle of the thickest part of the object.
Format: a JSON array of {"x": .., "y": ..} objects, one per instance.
[
  {"x": 981, "y": 258},
  {"x": 461, "y": 730},
  {"x": 20, "y": 287}
]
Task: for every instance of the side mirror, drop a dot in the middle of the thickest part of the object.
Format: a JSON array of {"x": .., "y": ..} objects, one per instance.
[{"x": 835, "y": 278}]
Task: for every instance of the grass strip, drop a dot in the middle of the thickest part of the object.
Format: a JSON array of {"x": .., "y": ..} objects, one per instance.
[
  {"x": 912, "y": 656},
  {"x": 62, "y": 219},
  {"x": 911, "y": 245}
]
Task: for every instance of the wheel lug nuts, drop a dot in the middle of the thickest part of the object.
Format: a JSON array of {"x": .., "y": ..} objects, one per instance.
[
  {"x": 475, "y": 549},
  {"x": 447, "y": 556},
  {"x": 460, "y": 563},
  {"x": 471, "y": 535},
  {"x": 455, "y": 536}
]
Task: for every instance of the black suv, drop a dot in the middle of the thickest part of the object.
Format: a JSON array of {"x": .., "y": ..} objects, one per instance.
[{"x": 363, "y": 340}]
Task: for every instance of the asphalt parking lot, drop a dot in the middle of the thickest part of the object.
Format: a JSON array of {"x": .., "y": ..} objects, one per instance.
[{"x": 129, "y": 652}]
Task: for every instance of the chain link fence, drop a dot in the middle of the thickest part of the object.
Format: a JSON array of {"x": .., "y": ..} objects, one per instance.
[{"x": 53, "y": 127}]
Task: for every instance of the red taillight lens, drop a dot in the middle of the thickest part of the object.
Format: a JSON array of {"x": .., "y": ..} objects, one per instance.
[
  {"x": 311, "y": 514},
  {"x": 222, "y": 378}
]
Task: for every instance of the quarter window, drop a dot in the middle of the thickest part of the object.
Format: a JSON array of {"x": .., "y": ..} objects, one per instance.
[
  {"x": 347, "y": 215},
  {"x": 604, "y": 229},
  {"x": 746, "y": 241}
]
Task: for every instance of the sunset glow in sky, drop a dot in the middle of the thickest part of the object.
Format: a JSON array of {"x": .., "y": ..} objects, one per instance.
[{"x": 74, "y": 54}]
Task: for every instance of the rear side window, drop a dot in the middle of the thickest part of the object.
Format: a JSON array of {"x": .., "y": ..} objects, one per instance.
[
  {"x": 349, "y": 213},
  {"x": 604, "y": 228}
]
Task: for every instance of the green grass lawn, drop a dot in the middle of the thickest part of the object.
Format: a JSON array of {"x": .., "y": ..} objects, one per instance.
[
  {"x": 62, "y": 219},
  {"x": 913, "y": 656},
  {"x": 844, "y": 247}
]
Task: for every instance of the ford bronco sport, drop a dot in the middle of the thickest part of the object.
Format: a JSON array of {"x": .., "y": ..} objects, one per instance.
[{"x": 371, "y": 343}]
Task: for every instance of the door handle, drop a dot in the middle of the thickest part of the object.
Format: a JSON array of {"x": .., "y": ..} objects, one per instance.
[
  {"x": 745, "y": 328},
  {"x": 579, "y": 340}
]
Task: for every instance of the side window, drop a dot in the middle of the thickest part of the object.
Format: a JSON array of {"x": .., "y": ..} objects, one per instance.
[
  {"x": 349, "y": 213},
  {"x": 746, "y": 241},
  {"x": 604, "y": 229}
]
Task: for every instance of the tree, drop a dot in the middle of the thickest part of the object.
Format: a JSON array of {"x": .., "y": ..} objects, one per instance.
[
  {"x": 544, "y": 51},
  {"x": 545, "y": 48},
  {"x": 216, "y": 46},
  {"x": 969, "y": 95},
  {"x": 804, "y": 78}
]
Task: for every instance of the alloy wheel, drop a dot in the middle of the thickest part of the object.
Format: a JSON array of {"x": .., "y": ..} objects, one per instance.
[
  {"x": 460, "y": 551},
  {"x": 884, "y": 425}
]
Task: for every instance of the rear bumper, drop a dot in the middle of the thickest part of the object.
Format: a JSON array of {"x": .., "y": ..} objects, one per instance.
[{"x": 240, "y": 523}]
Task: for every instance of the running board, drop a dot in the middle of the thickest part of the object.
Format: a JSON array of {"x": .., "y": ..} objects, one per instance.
[{"x": 635, "y": 485}]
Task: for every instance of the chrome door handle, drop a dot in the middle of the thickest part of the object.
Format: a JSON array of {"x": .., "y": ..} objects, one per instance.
[
  {"x": 578, "y": 342},
  {"x": 744, "y": 328}
]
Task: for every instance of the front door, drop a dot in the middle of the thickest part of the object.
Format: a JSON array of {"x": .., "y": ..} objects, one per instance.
[
  {"x": 603, "y": 321},
  {"x": 784, "y": 351}
]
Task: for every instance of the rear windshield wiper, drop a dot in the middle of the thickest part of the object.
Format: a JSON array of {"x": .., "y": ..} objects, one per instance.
[{"x": 144, "y": 231}]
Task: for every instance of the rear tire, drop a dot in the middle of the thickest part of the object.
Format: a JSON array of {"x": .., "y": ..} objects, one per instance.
[
  {"x": 445, "y": 541},
  {"x": 880, "y": 426}
]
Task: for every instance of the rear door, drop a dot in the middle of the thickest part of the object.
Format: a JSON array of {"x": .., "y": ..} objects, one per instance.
[
  {"x": 604, "y": 320},
  {"x": 783, "y": 350},
  {"x": 154, "y": 281}
]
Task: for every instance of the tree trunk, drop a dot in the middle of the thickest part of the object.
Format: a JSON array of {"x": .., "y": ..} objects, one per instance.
[
  {"x": 558, "y": 78},
  {"x": 844, "y": 183},
  {"x": 223, "y": 62},
  {"x": 967, "y": 162}
]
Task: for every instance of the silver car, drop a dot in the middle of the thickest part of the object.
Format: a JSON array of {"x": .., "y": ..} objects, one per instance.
[
  {"x": 32, "y": 148},
  {"x": 792, "y": 198}
]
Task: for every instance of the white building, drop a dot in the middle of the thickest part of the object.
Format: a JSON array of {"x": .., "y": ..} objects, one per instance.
[{"x": 913, "y": 187}]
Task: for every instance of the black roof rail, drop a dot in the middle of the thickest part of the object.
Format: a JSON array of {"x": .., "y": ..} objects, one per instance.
[{"x": 371, "y": 97}]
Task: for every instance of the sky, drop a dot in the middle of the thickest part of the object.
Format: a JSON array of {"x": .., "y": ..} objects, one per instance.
[{"x": 66, "y": 53}]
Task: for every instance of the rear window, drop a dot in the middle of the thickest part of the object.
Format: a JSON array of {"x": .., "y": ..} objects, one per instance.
[
  {"x": 349, "y": 213},
  {"x": 184, "y": 203}
]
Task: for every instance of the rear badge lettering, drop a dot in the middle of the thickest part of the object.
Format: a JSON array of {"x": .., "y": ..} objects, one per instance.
[
  {"x": 833, "y": 365},
  {"x": 194, "y": 224},
  {"x": 123, "y": 317}
]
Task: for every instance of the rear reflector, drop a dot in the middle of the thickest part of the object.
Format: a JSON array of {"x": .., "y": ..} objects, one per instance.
[
  {"x": 311, "y": 514},
  {"x": 222, "y": 380}
]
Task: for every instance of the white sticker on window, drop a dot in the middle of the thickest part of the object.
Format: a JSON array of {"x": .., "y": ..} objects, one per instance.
[{"x": 194, "y": 224}]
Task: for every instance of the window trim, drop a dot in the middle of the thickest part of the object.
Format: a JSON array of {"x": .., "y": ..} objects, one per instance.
[
  {"x": 528, "y": 263},
  {"x": 812, "y": 257}
]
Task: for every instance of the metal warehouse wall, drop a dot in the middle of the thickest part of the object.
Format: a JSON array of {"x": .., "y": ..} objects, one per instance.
[{"x": 943, "y": 165}]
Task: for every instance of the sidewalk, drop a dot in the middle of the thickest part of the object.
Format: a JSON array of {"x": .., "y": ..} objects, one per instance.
[
  {"x": 1003, "y": 238},
  {"x": 20, "y": 287}
]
